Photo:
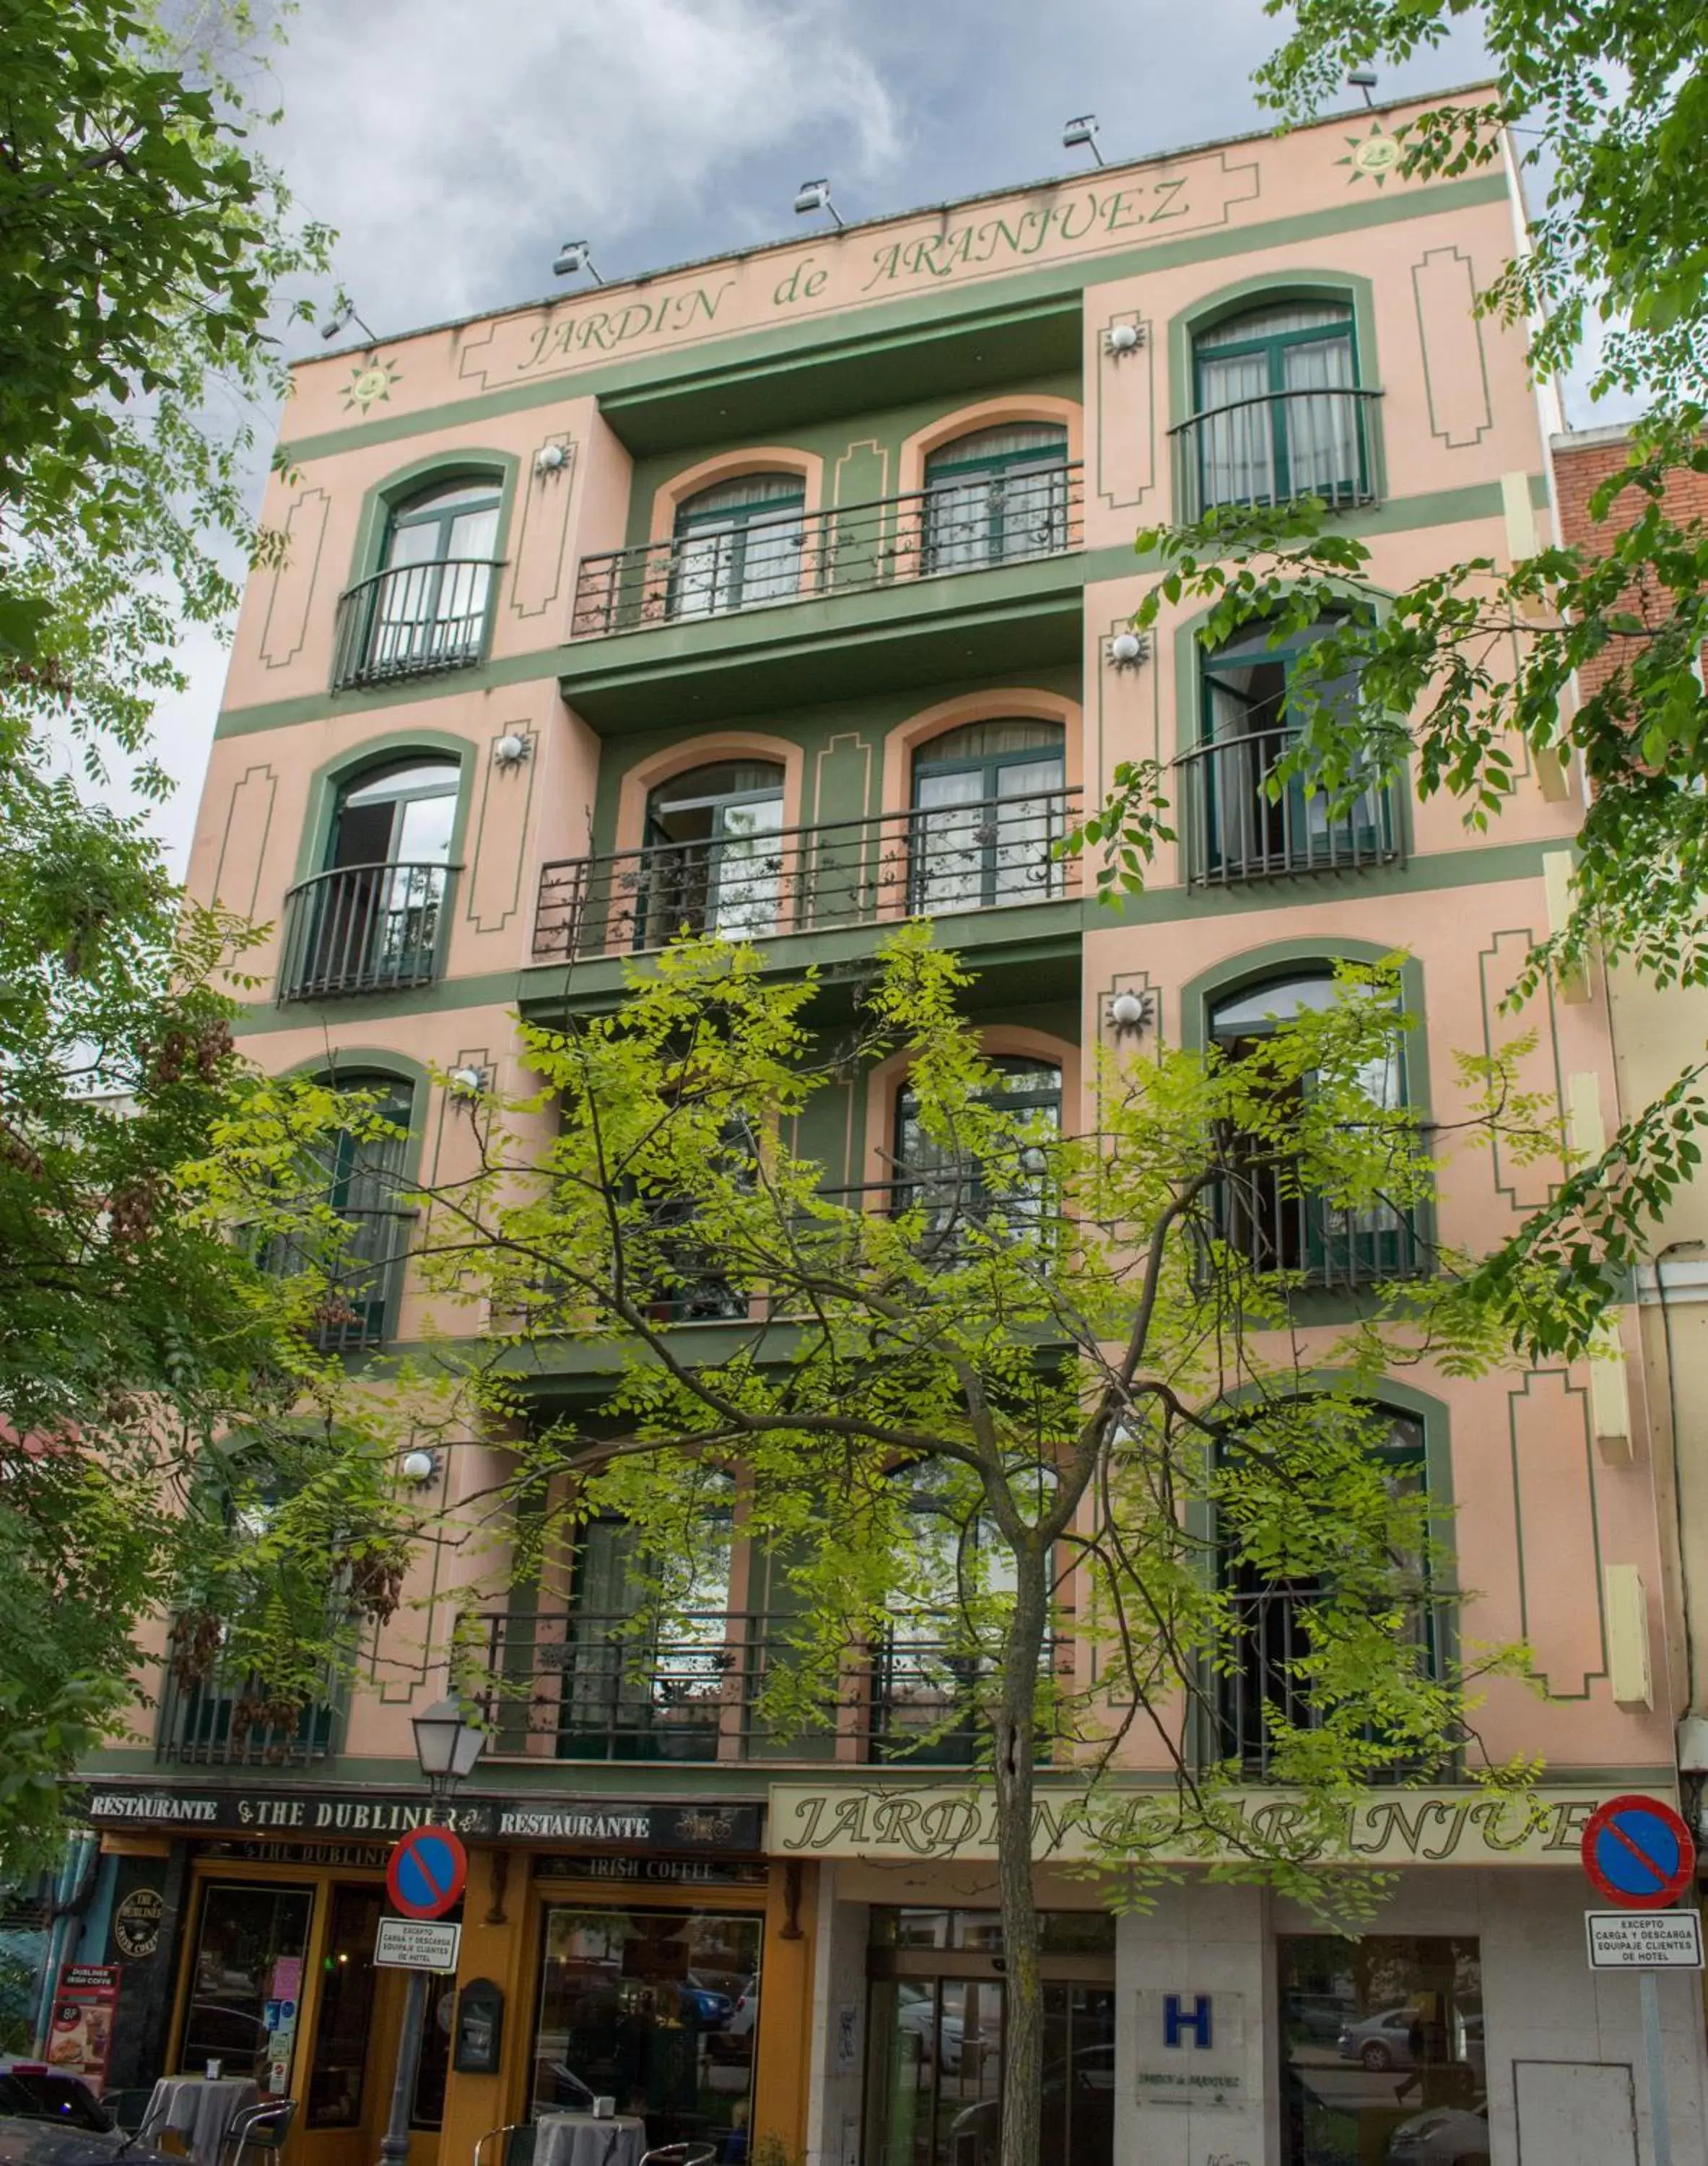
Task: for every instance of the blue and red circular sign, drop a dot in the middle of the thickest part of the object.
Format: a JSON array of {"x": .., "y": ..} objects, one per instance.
[
  {"x": 1638, "y": 1853},
  {"x": 427, "y": 1873}
]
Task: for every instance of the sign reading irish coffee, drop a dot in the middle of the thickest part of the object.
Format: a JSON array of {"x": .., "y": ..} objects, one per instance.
[{"x": 1388, "y": 1828}]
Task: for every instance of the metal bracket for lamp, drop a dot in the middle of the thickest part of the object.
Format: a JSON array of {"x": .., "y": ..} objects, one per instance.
[{"x": 1127, "y": 649}]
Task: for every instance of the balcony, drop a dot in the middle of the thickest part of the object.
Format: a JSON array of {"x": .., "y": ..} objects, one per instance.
[
  {"x": 359, "y": 1308},
  {"x": 1273, "y": 1224},
  {"x": 852, "y": 549},
  {"x": 222, "y": 1721},
  {"x": 413, "y": 620},
  {"x": 1235, "y": 830},
  {"x": 942, "y": 861},
  {"x": 1279, "y": 446},
  {"x": 593, "y": 1686},
  {"x": 363, "y": 929}
]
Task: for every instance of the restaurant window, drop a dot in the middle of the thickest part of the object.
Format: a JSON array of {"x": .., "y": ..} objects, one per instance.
[
  {"x": 935, "y": 2031},
  {"x": 345, "y": 2021},
  {"x": 250, "y": 1944},
  {"x": 1382, "y": 2051},
  {"x": 656, "y": 2008},
  {"x": 989, "y": 807}
]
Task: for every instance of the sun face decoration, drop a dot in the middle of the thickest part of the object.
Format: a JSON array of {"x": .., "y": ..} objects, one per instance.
[
  {"x": 1372, "y": 157},
  {"x": 370, "y": 385}
]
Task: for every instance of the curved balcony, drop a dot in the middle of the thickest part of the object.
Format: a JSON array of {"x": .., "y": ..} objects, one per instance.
[
  {"x": 935, "y": 861},
  {"x": 1238, "y": 826},
  {"x": 363, "y": 929},
  {"x": 1277, "y": 446},
  {"x": 975, "y": 526},
  {"x": 412, "y": 621}
]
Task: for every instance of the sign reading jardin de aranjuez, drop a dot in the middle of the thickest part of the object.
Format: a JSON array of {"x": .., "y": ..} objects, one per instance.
[{"x": 1405, "y": 1827}]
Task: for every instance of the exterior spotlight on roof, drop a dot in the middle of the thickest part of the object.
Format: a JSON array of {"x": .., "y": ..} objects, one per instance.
[
  {"x": 1081, "y": 134},
  {"x": 572, "y": 259},
  {"x": 342, "y": 317},
  {"x": 816, "y": 195},
  {"x": 1364, "y": 79}
]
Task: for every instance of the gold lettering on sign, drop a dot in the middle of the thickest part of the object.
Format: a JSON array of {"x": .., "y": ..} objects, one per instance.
[{"x": 897, "y": 1819}]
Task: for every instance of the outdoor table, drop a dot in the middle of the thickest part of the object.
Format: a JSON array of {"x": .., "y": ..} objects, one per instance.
[
  {"x": 583, "y": 2139},
  {"x": 199, "y": 2109}
]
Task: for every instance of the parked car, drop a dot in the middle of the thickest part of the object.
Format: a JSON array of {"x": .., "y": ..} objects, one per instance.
[
  {"x": 1445, "y": 2135},
  {"x": 49, "y": 2118},
  {"x": 1380, "y": 2042}
]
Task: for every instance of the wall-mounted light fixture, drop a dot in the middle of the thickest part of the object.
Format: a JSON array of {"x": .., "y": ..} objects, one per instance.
[
  {"x": 512, "y": 749},
  {"x": 816, "y": 195},
  {"x": 1123, "y": 338},
  {"x": 419, "y": 1466},
  {"x": 550, "y": 459},
  {"x": 572, "y": 259},
  {"x": 468, "y": 1082},
  {"x": 1128, "y": 1011},
  {"x": 1128, "y": 649},
  {"x": 1081, "y": 134}
]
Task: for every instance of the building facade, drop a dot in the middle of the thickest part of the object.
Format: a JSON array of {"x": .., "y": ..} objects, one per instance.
[{"x": 780, "y": 594}]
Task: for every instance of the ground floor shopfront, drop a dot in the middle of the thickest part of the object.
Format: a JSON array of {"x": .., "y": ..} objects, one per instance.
[{"x": 821, "y": 1983}]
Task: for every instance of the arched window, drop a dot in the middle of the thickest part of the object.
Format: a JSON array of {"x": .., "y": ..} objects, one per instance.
[
  {"x": 1264, "y": 1212},
  {"x": 426, "y": 607},
  {"x": 363, "y": 1179},
  {"x": 1240, "y": 827},
  {"x": 738, "y": 544},
  {"x": 1277, "y": 409},
  {"x": 372, "y": 920},
  {"x": 645, "y": 1659},
  {"x": 989, "y": 805},
  {"x": 711, "y": 860},
  {"x": 996, "y": 496},
  {"x": 1269, "y": 1684},
  {"x": 955, "y": 1186}
]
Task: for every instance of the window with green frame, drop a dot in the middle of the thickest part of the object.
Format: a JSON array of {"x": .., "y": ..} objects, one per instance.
[
  {"x": 956, "y": 1189},
  {"x": 1277, "y": 412},
  {"x": 1263, "y": 1210},
  {"x": 996, "y": 496},
  {"x": 430, "y": 602},
  {"x": 1241, "y": 825},
  {"x": 988, "y": 808},
  {"x": 365, "y": 1180},
  {"x": 1268, "y": 1685},
  {"x": 738, "y": 544}
]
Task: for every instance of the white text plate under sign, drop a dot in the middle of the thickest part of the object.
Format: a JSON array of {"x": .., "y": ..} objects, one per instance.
[
  {"x": 1644, "y": 1940},
  {"x": 417, "y": 1944}
]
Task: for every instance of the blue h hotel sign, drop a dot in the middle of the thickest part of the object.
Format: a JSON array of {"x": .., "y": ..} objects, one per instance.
[
  {"x": 1191, "y": 2049},
  {"x": 1177, "y": 2018}
]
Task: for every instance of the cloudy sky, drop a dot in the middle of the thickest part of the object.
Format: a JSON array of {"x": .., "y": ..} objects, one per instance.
[{"x": 454, "y": 144}]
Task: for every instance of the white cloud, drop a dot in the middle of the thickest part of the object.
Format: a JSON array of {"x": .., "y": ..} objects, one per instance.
[{"x": 444, "y": 142}]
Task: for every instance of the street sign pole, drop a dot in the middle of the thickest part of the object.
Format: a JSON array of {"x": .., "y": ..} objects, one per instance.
[
  {"x": 1660, "y": 2126},
  {"x": 394, "y": 2144}
]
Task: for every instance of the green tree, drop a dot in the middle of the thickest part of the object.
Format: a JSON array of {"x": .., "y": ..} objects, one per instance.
[
  {"x": 1477, "y": 665},
  {"x": 148, "y": 1368},
  {"x": 964, "y": 1417}
]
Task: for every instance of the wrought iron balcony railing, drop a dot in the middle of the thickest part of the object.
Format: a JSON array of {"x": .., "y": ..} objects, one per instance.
[
  {"x": 1264, "y": 1693},
  {"x": 1235, "y": 830},
  {"x": 936, "y": 861},
  {"x": 412, "y": 621},
  {"x": 364, "y": 929},
  {"x": 363, "y": 1278},
  {"x": 225, "y": 1721},
  {"x": 1267, "y": 1218},
  {"x": 580, "y": 1686},
  {"x": 973, "y": 525},
  {"x": 1279, "y": 446}
]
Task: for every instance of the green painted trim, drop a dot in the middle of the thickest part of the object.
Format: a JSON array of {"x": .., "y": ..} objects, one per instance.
[
  {"x": 380, "y": 499},
  {"x": 379, "y": 1060},
  {"x": 895, "y": 318},
  {"x": 1488, "y": 866},
  {"x": 1276, "y": 285},
  {"x": 330, "y": 777},
  {"x": 1450, "y": 507},
  {"x": 445, "y": 996}
]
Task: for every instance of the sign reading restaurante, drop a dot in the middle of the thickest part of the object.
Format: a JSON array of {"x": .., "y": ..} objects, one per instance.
[{"x": 1393, "y": 1827}]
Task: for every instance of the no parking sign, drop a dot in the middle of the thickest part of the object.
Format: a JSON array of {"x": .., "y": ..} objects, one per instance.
[{"x": 427, "y": 1872}]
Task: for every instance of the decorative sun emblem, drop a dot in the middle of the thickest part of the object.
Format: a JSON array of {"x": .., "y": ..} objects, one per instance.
[
  {"x": 370, "y": 384},
  {"x": 1374, "y": 157}
]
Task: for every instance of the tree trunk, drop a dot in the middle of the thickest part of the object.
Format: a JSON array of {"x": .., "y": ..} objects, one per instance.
[{"x": 1014, "y": 1727}]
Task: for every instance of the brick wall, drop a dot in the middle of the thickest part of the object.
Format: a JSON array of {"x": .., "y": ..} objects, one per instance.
[{"x": 1581, "y": 464}]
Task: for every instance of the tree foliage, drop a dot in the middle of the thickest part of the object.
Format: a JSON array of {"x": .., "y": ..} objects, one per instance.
[{"x": 1055, "y": 1352}]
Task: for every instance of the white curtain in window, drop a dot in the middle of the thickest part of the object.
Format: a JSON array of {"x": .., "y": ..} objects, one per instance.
[
  {"x": 746, "y": 871},
  {"x": 1028, "y": 823},
  {"x": 948, "y": 838},
  {"x": 1236, "y": 802},
  {"x": 1236, "y": 453},
  {"x": 1322, "y": 442}
]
